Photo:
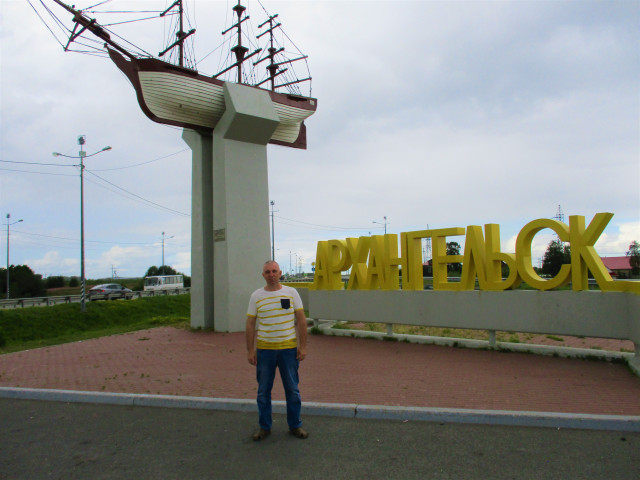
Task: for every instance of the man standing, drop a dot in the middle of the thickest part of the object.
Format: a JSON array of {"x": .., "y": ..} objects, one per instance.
[{"x": 277, "y": 339}]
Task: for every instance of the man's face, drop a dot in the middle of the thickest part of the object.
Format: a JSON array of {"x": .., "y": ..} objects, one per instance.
[{"x": 271, "y": 273}]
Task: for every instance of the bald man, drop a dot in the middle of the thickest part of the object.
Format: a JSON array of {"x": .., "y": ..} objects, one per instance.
[{"x": 276, "y": 335}]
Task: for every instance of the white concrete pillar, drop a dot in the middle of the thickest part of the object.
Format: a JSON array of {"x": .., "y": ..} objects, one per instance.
[
  {"x": 241, "y": 201},
  {"x": 230, "y": 211},
  {"x": 202, "y": 292}
]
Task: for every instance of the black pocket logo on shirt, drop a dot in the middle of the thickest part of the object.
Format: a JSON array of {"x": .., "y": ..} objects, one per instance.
[{"x": 285, "y": 303}]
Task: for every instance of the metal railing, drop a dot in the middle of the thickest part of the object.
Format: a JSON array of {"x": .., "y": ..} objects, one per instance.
[{"x": 56, "y": 300}]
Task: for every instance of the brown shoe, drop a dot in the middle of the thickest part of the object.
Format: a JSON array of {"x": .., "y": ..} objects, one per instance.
[
  {"x": 299, "y": 433},
  {"x": 260, "y": 435}
]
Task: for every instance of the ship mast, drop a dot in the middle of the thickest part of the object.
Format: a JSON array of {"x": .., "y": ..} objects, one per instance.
[
  {"x": 239, "y": 50},
  {"x": 180, "y": 34},
  {"x": 274, "y": 67}
]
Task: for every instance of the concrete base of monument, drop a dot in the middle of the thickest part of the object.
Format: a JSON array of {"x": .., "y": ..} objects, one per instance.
[
  {"x": 549, "y": 350},
  {"x": 596, "y": 314}
]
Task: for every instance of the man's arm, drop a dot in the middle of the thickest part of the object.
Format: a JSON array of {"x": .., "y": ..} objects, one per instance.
[
  {"x": 250, "y": 337},
  {"x": 301, "y": 330}
]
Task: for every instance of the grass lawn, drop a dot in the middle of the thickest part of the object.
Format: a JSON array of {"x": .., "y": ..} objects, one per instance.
[{"x": 34, "y": 327}]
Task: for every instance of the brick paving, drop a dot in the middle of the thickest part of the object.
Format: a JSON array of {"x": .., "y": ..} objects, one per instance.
[{"x": 172, "y": 361}]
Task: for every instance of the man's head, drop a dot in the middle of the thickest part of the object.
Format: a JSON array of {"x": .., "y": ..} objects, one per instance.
[{"x": 271, "y": 273}]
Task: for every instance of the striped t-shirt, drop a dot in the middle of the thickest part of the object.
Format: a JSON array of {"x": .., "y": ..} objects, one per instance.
[{"x": 275, "y": 317}]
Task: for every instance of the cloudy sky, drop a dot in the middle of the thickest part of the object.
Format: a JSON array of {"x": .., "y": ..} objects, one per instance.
[{"x": 430, "y": 113}]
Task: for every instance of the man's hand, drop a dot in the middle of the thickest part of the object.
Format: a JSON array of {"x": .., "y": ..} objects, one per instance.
[
  {"x": 252, "y": 356},
  {"x": 301, "y": 332},
  {"x": 250, "y": 336},
  {"x": 302, "y": 353}
]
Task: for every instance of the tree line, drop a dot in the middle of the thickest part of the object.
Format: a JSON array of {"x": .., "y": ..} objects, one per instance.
[
  {"x": 557, "y": 254},
  {"x": 25, "y": 283}
]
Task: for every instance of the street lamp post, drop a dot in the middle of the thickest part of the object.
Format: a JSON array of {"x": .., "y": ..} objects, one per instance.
[
  {"x": 385, "y": 224},
  {"x": 162, "y": 267},
  {"x": 273, "y": 245},
  {"x": 82, "y": 155},
  {"x": 8, "y": 225}
]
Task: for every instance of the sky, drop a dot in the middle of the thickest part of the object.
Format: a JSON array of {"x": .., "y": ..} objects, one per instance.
[{"x": 433, "y": 114}]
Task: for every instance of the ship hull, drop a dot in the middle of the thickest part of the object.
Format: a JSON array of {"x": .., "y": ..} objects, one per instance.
[{"x": 177, "y": 96}]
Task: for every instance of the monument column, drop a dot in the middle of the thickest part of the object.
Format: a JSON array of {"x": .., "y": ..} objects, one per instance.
[
  {"x": 240, "y": 201},
  {"x": 201, "y": 228},
  {"x": 230, "y": 211}
]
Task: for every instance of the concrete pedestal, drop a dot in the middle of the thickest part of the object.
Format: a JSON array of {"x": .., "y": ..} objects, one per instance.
[
  {"x": 230, "y": 209},
  {"x": 202, "y": 292}
]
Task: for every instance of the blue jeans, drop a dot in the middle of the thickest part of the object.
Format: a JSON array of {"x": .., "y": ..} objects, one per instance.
[{"x": 287, "y": 363}]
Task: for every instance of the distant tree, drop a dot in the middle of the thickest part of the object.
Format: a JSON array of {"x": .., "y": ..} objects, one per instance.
[
  {"x": 504, "y": 268},
  {"x": 162, "y": 270},
  {"x": 54, "y": 282},
  {"x": 634, "y": 257},
  {"x": 74, "y": 282},
  {"x": 453, "y": 248},
  {"x": 151, "y": 271},
  {"x": 556, "y": 255},
  {"x": 23, "y": 282},
  {"x": 167, "y": 270}
]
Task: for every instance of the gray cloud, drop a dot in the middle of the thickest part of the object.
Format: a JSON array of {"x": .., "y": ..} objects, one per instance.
[{"x": 439, "y": 113}]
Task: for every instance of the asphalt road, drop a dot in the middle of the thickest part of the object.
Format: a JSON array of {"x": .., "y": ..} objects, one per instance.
[{"x": 40, "y": 439}]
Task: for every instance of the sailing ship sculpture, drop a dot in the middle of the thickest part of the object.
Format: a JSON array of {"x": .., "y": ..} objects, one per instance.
[{"x": 174, "y": 94}]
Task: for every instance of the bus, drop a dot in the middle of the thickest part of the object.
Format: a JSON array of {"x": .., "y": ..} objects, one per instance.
[{"x": 163, "y": 282}]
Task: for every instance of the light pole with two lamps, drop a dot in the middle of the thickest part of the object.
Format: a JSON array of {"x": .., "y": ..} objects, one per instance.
[
  {"x": 82, "y": 155},
  {"x": 8, "y": 225}
]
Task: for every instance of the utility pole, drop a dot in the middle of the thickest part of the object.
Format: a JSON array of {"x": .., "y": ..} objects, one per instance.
[
  {"x": 8, "y": 225},
  {"x": 559, "y": 217},
  {"x": 385, "y": 224},
  {"x": 273, "y": 243},
  {"x": 162, "y": 267},
  {"x": 82, "y": 155}
]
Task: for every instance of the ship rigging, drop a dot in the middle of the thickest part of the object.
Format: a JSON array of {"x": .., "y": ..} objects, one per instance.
[{"x": 270, "y": 49}]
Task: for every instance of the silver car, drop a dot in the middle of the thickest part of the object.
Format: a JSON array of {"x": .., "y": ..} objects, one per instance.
[{"x": 111, "y": 289}]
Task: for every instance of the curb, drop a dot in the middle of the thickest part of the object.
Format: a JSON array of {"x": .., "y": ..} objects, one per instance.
[
  {"x": 343, "y": 410},
  {"x": 545, "y": 350}
]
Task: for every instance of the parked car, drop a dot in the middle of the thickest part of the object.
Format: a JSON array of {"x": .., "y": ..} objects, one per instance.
[{"x": 113, "y": 289}]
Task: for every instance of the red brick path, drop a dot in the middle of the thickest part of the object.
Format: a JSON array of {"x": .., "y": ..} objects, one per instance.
[{"x": 337, "y": 370}]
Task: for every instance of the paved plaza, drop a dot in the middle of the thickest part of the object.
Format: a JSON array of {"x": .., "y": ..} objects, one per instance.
[{"x": 391, "y": 387}]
